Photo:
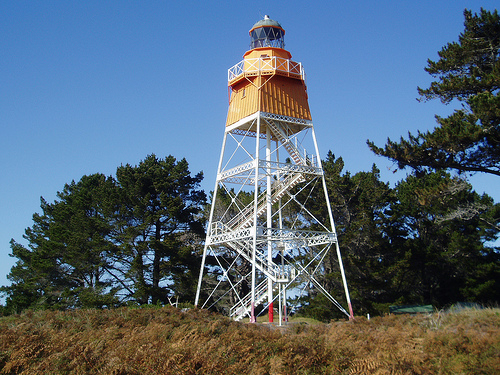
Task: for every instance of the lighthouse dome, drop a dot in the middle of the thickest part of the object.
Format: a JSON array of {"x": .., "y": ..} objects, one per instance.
[
  {"x": 267, "y": 22},
  {"x": 267, "y": 33}
]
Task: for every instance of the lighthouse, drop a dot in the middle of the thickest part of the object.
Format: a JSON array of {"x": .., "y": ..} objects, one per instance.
[{"x": 264, "y": 242}]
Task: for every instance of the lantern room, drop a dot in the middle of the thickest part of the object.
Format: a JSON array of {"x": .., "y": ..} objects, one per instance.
[{"x": 267, "y": 33}]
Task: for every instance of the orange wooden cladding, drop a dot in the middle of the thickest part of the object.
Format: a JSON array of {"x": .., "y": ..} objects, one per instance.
[
  {"x": 285, "y": 96},
  {"x": 276, "y": 94},
  {"x": 243, "y": 101}
]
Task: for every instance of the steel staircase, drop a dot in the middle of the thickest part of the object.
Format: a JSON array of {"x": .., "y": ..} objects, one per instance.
[
  {"x": 245, "y": 218},
  {"x": 244, "y": 305},
  {"x": 287, "y": 144},
  {"x": 244, "y": 248}
]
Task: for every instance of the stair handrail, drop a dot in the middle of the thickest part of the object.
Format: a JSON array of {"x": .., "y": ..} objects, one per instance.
[{"x": 243, "y": 217}]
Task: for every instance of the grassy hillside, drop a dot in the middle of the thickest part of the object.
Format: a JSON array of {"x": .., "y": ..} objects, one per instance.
[{"x": 169, "y": 341}]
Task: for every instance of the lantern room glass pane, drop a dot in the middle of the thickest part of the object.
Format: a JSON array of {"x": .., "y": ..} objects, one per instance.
[{"x": 267, "y": 37}]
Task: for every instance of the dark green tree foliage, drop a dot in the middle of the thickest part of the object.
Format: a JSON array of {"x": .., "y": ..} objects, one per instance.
[
  {"x": 427, "y": 241},
  {"x": 106, "y": 242},
  {"x": 229, "y": 203},
  {"x": 468, "y": 71},
  {"x": 65, "y": 263},
  {"x": 358, "y": 203},
  {"x": 438, "y": 247},
  {"x": 160, "y": 204}
]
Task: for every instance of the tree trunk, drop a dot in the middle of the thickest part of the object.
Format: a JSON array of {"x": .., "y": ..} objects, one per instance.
[{"x": 155, "y": 293}]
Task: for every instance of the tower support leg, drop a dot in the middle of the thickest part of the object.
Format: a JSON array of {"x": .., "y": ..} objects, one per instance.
[
  {"x": 256, "y": 205},
  {"x": 269, "y": 223},
  {"x": 332, "y": 224}
]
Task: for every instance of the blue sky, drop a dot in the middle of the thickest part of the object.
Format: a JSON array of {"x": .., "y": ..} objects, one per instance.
[{"x": 86, "y": 86}]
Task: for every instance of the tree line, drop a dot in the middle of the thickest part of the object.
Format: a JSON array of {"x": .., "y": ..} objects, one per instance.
[
  {"x": 109, "y": 241},
  {"x": 136, "y": 238}
]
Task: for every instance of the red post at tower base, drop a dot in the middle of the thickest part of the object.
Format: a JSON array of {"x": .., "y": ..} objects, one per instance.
[{"x": 271, "y": 313}]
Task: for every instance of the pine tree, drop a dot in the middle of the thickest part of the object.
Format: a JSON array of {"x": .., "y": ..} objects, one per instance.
[
  {"x": 161, "y": 204},
  {"x": 467, "y": 71},
  {"x": 108, "y": 242},
  {"x": 358, "y": 203},
  {"x": 436, "y": 256},
  {"x": 65, "y": 263}
]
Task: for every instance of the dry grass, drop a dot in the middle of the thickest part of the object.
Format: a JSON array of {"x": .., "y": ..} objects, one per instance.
[{"x": 168, "y": 341}]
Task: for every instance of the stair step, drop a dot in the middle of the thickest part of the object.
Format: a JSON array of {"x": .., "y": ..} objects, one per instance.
[
  {"x": 285, "y": 141},
  {"x": 244, "y": 218},
  {"x": 244, "y": 309}
]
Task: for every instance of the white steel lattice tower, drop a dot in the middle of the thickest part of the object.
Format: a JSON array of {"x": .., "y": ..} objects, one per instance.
[{"x": 262, "y": 237}]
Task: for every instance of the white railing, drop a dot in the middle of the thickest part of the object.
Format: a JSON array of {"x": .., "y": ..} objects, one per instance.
[
  {"x": 243, "y": 306},
  {"x": 266, "y": 65},
  {"x": 236, "y": 170},
  {"x": 289, "y": 167},
  {"x": 291, "y": 238},
  {"x": 283, "y": 118},
  {"x": 245, "y": 217}
]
